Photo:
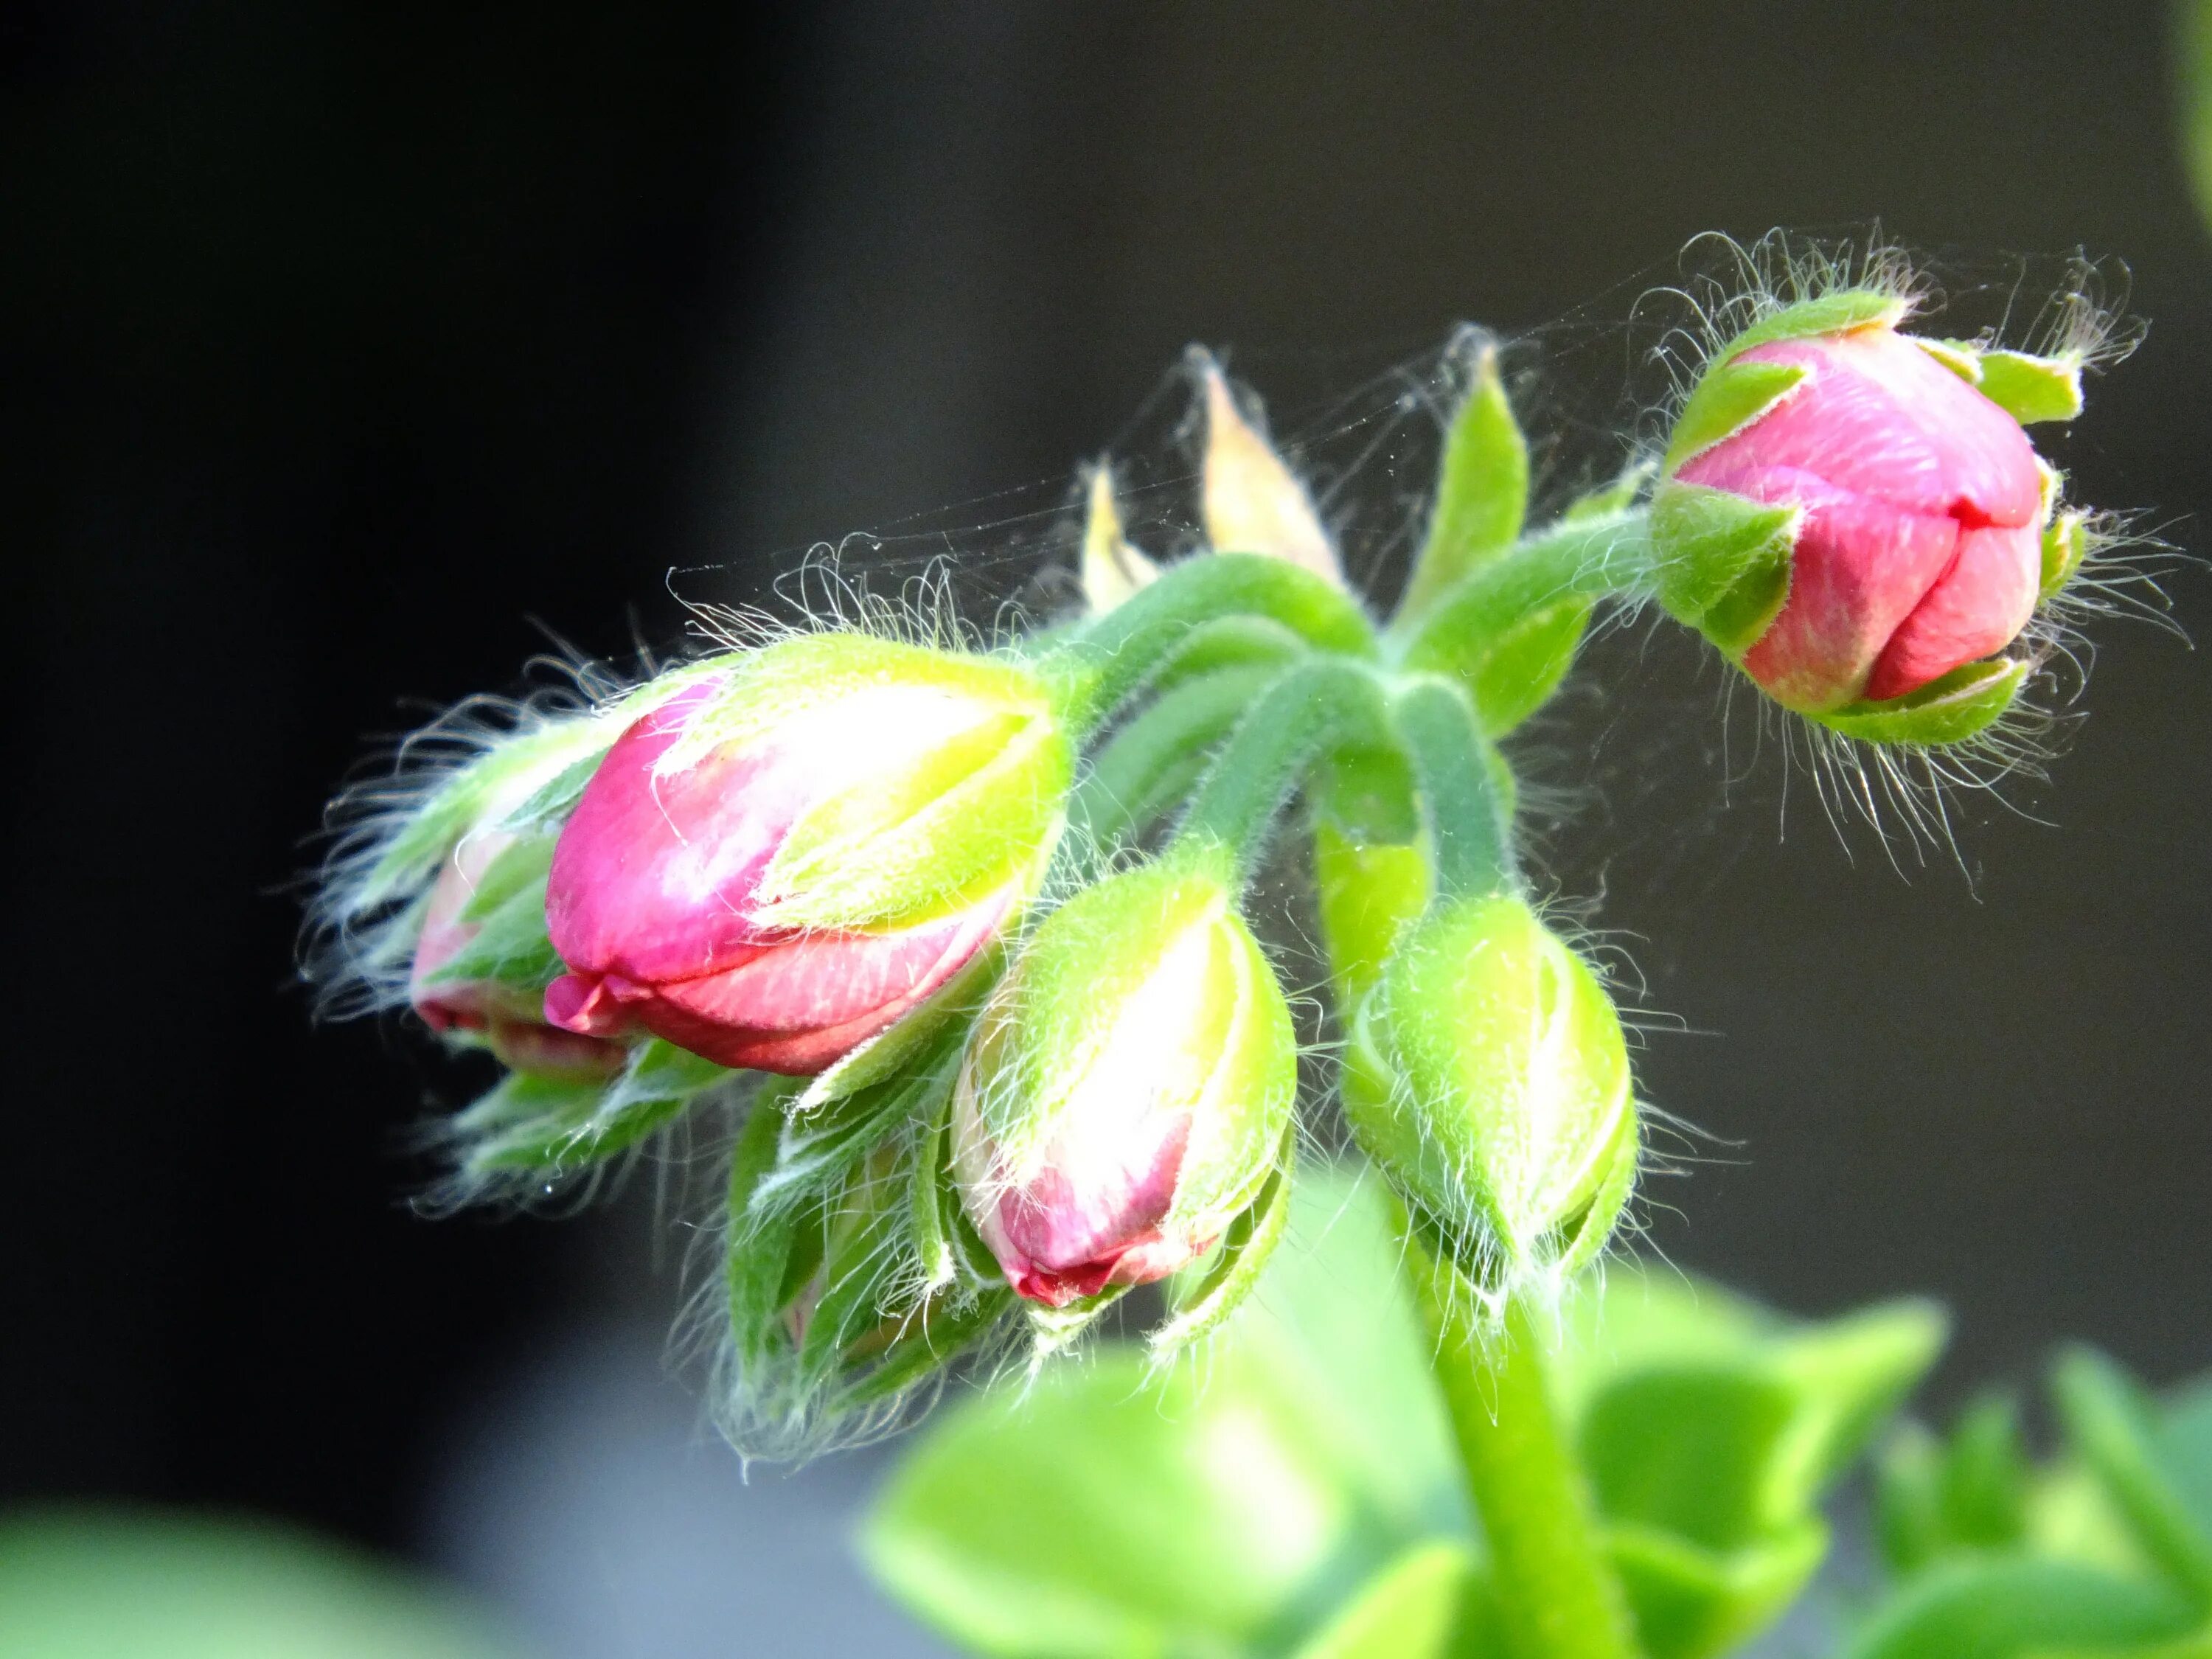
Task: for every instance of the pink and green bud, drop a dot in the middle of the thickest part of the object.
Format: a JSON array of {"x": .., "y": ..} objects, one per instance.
[
  {"x": 453, "y": 993},
  {"x": 1125, "y": 1094},
  {"x": 1854, "y": 515},
  {"x": 784, "y": 858},
  {"x": 1488, "y": 1078}
]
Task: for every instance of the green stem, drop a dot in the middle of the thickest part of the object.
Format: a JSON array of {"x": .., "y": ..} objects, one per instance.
[
  {"x": 1321, "y": 704},
  {"x": 1584, "y": 558},
  {"x": 1557, "y": 1595},
  {"x": 1155, "y": 758},
  {"x": 1132, "y": 645},
  {"x": 1458, "y": 773}
]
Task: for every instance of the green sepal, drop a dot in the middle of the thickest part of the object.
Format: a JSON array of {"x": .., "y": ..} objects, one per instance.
[
  {"x": 1482, "y": 487},
  {"x": 553, "y": 1126},
  {"x": 1949, "y": 708},
  {"x": 1608, "y": 500},
  {"x": 465, "y": 800},
  {"x": 1962, "y": 357},
  {"x": 1690, "y": 1602},
  {"x": 930, "y": 1336},
  {"x": 1838, "y": 313},
  {"x": 510, "y": 947},
  {"x": 1432, "y": 1602},
  {"x": 1583, "y": 1238},
  {"x": 1723, "y": 564},
  {"x": 1202, "y": 1299},
  {"x": 2033, "y": 389},
  {"x": 1730, "y": 397},
  {"x": 2021, "y": 1607},
  {"x": 2109, "y": 1425},
  {"x": 757, "y": 1247},
  {"x": 549, "y": 807},
  {"x": 2065, "y": 544}
]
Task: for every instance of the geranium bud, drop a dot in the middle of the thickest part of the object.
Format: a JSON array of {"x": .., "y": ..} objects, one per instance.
[
  {"x": 779, "y": 861},
  {"x": 1849, "y": 517},
  {"x": 1125, "y": 1093},
  {"x": 509, "y": 1017},
  {"x": 1488, "y": 1078}
]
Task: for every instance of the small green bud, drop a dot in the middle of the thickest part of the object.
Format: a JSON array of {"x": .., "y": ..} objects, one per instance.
[
  {"x": 1126, "y": 1092},
  {"x": 1489, "y": 1080}
]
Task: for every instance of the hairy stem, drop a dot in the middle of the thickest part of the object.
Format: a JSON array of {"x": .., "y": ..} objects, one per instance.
[
  {"x": 1587, "y": 558},
  {"x": 1459, "y": 777},
  {"x": 1119, "y": 654},
  {"x": 1557, "y": 1595},
  {"x": 1321, "y": 704}
]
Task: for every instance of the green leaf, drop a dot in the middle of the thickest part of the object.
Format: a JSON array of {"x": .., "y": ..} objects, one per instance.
[
  {"x": 1730, "y": 397},
  {"x": 2031, "y": 388},
  {"x": 1950, "y": 709},
  {"x": 1691, "y": 1602},
  {"x": 2109, "y": 1423},
  {"x": 2013, "y": 1606},
  {"x": 1482, "y": 488},
  {"x": 1985, "y": 1475},
  {"x": 1227, "y": 1509},
  {"x": 1724, "y": 561},
  {"x": 2193, "y": 62},
  {"x": 1432, "y": 1602},
  {"x": 120, "y": 1583}
]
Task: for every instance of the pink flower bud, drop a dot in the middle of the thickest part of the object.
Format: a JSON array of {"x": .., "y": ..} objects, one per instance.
[
  {"x": 672, "y": 898},
  {"x": 1125, "y": 1097},
  {"x": 507, "y": 1017},
  {"x": 1919, "y": 549}
]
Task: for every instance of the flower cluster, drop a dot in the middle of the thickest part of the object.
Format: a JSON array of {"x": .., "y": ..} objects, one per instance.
[{"x": 963, "y": 935}]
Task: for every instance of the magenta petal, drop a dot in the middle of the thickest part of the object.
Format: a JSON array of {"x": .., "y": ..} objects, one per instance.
[
  {"x": 1879, "y": 416},
  {"x": 654, "y": 878},
  {"x": 801, "y": 1003},
  {"x": 1064, "y": 1221},
  {"x": 1976, "y": 609}
]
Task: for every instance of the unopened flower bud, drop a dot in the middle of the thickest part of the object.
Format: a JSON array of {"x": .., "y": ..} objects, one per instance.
[
  {"x": 1126, "y": 1094},
  {"x": 1853, "y": 520},
  {"x": 1252, "y": 502},
  {"x": 507, "y": 1016},
  {"x": 781, "y": 860},
  {"x": 1488, "y": 1078}
]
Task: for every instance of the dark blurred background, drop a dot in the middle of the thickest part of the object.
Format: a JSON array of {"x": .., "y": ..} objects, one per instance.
[{"x": 352, "y": 352}]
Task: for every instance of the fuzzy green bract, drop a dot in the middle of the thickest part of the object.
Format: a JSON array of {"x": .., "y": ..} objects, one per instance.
[
  {"x": 1295, "y": 1495},
  {"x": 1488, "y": 1074}
]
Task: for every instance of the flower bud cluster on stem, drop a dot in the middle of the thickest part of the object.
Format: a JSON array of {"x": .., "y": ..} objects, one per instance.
[{"x": 961, "y": 935}]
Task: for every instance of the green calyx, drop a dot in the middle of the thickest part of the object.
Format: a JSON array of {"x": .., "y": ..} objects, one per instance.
[
  {"x": 947, "y": 775},
  {"x": 1722, "y": 562},
  {"x": 1146, "y": 988},
  {"x": 2065, "y": 546},
  {"x": 2029, "y": 388},
  {"x": 1731, "y": 394},
  {"x": 1488, "y": 1077},
  {"x": 1948, "y": 709}
]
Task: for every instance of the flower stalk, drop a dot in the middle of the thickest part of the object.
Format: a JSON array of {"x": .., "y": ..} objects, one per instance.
[{"x": 1557, "y": 1595}]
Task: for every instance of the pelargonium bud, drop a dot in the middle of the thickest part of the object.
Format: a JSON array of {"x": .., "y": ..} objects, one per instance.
[
  {"x": 1126, "y": 1094},
  {"x": 1854, "y": 519},
  {"x": 1488, "y": 1078},
  {"x": 509, "y": 1017},
  {"x": 781, "y": 860}
]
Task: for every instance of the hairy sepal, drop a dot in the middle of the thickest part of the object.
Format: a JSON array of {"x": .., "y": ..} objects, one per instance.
[
  {"x": 1482, "y": 487},
  {"x": 1724, "y": 562},
  {"x": 1950, "y": 710}
]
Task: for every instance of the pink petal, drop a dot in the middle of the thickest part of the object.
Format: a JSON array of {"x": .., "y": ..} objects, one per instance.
[
  {"x": 1878, "y": 415},
  {"x": 1861, "y": 566},
  {"x": 1976, "y": 609},
  {"x": 653, "y": 878},
  {"x": 1066, "y": 1223}
]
